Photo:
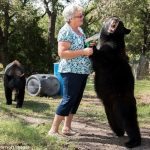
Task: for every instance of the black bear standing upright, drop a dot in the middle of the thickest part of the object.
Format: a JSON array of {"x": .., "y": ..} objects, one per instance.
[
  {"x": 14, "y": 79},
  {"x": 114, "y": 82}
]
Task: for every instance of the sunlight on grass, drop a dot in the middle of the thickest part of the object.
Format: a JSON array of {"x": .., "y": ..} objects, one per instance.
[
  {"x": 18, "y": 132},
  {"x": 143, "y": 113},
  {"x": 91, "y": 112},
  {"x": 15, "y": 132},
  {"x": 142, "y": 87}
]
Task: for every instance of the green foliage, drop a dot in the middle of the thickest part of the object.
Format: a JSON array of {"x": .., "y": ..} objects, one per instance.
[
  {"x": 27, "y": 43},
  {"x": 28, "y": 28},
  {"x": 91, "y": 19}
]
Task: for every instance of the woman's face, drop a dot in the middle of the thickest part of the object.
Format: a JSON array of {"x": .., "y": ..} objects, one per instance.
[{"x": 78, "y": 18}]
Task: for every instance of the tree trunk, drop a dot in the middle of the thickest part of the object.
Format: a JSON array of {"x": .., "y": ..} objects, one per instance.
[
  {"x": 1, "y": 46},
  {"x": 51, "y": 29},
  {"x": 134, "y": 65},
  {"x": 5, "y": 51},
  {"x": 143, "y": 67},
  {"x": 51, "y": 37}
]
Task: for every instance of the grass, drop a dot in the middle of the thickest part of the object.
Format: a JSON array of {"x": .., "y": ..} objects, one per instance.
[
  {"x": 16, "y": 130},
  {"x": 19, "y": 126},
  {"x": 144, "y": 114},
  {"x": 142, "y": 87}
]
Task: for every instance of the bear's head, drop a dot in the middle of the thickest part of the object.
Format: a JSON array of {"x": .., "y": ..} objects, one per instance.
[
  {"x": 15, "y": 74},
  {"x": 114, "y": 30},
  {"x": 114, "y": 25}
]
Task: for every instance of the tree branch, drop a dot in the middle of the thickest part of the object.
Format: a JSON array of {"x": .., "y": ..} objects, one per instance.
[
  {"x": 43, "y": 14},
  {"x": 12, "y": 15},
  {"x": 89, "y": 11},
  {"x": 47, "y": 8}
]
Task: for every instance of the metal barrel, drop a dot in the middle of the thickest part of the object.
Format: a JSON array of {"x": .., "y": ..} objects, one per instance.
[{"x": 42, "y": 85}]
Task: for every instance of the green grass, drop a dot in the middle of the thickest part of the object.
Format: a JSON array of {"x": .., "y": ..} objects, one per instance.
[
  {"x": 19, "y": 131},
  {"x": 91, "y": 112},
  {"x": 142, "y": 87},
  {"x": 15, "y": 130},
  {"x": 144, "y": 114}
]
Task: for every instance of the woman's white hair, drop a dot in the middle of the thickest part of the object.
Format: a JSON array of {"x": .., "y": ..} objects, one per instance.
[{"x": 69, "y": 11}]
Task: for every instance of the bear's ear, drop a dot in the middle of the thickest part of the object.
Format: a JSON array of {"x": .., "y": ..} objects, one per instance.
[{"x": 127, "y": 31}]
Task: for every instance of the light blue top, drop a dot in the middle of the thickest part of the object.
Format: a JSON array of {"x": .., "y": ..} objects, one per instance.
[{"x": 79, "y": 65}]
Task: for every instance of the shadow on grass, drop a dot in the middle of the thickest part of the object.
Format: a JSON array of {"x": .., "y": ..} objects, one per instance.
[
  {"x": 30, "y": 109},
  {"x": 36, "y": 106}
]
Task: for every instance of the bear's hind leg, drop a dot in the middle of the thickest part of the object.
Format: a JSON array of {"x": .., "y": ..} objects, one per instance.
[
  {"x": 131, "y": 123},
  {"x": 114, "y": 119}
]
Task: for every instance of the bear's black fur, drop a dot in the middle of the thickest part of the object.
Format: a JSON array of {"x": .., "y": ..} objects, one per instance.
[
  {"x": 14, "y": 79},
  {"x": 114, "y": 82}
]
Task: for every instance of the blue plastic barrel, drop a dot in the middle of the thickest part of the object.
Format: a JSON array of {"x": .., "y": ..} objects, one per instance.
[{"x": 57, "y": 74}]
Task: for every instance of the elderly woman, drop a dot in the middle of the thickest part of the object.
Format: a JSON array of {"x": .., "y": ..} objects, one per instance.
[{"x": 75, "y": 66}]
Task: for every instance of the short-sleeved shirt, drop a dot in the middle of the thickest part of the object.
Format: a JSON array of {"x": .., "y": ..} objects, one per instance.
[{"x": 79, "y": 65}]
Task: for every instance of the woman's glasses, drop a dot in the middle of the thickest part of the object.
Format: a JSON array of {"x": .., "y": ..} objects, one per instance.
[{"x": 80, "y": 16}]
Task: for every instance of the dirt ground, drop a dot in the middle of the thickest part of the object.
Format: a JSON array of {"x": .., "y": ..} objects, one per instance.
[
  {"x": 94, "y": 136},
  {"x": 97, "y": 136}
]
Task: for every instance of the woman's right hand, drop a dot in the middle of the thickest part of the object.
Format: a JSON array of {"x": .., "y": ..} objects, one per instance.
[{"x": 87, "y": 51}]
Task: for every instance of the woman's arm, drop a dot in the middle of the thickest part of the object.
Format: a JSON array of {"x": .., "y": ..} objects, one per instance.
[{"x": 64, "y": 52}]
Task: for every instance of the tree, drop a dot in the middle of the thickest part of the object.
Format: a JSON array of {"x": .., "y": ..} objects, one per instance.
[
  {"x": 7, "y": 16},
  {"x": 22, "y": 36},
  {"x": 52, "y": 9},
  {"x": 27, "y": 44},
  {"x": 91, "y": 19}
]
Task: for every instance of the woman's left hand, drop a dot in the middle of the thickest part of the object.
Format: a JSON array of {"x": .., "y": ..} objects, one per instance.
[{"x": 92, "y": 44}]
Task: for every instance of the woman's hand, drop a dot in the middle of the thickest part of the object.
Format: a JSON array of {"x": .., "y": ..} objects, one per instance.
[
  {"x": 92, "y": 44},
  {"x": 87, "y": 51}
]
